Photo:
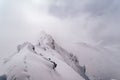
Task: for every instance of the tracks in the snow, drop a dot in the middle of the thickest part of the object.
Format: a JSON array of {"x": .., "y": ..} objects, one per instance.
[{"x": 26, "y": 68}]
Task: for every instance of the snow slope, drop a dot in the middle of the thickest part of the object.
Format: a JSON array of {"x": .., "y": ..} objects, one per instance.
[
  {"x": 31, "y": 62},
  {"x": 82, "y": 62},
  {"x": 101, "y": 63}
]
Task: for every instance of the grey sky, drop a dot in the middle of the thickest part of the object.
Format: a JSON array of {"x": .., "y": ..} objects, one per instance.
[{"x": 91, "y": 21}]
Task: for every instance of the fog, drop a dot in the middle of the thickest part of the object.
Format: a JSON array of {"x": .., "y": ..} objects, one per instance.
[{"x": 95, "y": 22}]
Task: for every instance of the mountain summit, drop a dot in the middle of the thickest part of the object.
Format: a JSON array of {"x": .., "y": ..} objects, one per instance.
[{"x": 44, "y": 61}]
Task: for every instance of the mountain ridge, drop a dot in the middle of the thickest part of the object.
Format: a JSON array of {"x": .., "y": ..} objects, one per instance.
[{"x": 45, "y": 53}]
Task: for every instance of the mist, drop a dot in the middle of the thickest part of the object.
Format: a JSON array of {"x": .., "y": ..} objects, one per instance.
[{"x": 94, "y": 22}]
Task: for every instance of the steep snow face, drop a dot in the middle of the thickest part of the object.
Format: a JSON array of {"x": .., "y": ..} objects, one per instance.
[
  {"x": 101, "y": 63},
  {"x": 33, "y": 63},
  {"x": 47, "y": 43}
]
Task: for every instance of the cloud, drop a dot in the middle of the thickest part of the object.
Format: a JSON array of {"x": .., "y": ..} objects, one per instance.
[
  {"x": 100, "y": 18},
  {"x": 90, "y": 21}
]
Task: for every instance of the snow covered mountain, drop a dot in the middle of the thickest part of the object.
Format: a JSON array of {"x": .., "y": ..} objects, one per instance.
[
  {"x": 101, "y": 63},
  {"x": 37, "y": 62},
  {"x": 49, "y": 61}
]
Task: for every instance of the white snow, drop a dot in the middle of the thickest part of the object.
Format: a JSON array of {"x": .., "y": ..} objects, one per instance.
[
  {"x": 82, "y": 62},
  {"x": 28, "y": 64},
  {"x": 101, "y": 64}
]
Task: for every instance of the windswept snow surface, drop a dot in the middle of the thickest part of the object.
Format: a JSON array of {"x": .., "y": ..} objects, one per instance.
[
  {"x": 82, "y": 62},
  {"x": 101, "y": 63},
  {"x": 31, "y": 62}
]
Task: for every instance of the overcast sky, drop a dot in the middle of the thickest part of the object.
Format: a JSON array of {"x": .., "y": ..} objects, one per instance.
[{"x": 71, "y": 21}]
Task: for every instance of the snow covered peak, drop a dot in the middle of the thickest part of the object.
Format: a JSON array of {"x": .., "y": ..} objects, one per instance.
[
  {"x": 34, "y": 59},
  {"x": 27, "y": 45},
  {"x": 35, "y": 62},
  {"x": 25, "y": 65},
  {"x": 46, "y": 41}
]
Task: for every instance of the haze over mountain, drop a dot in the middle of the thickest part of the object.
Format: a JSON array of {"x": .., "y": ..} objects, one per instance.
[
  {"x": 88, "y": 29},
  {"x": 94, "y": 22}
]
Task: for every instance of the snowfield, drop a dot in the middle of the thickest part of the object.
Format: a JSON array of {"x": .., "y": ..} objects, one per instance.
[
  {"x": 37, "y": 62},
  {"x": 31, "y": 62},
  {"x": 101, "y": 63}
]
